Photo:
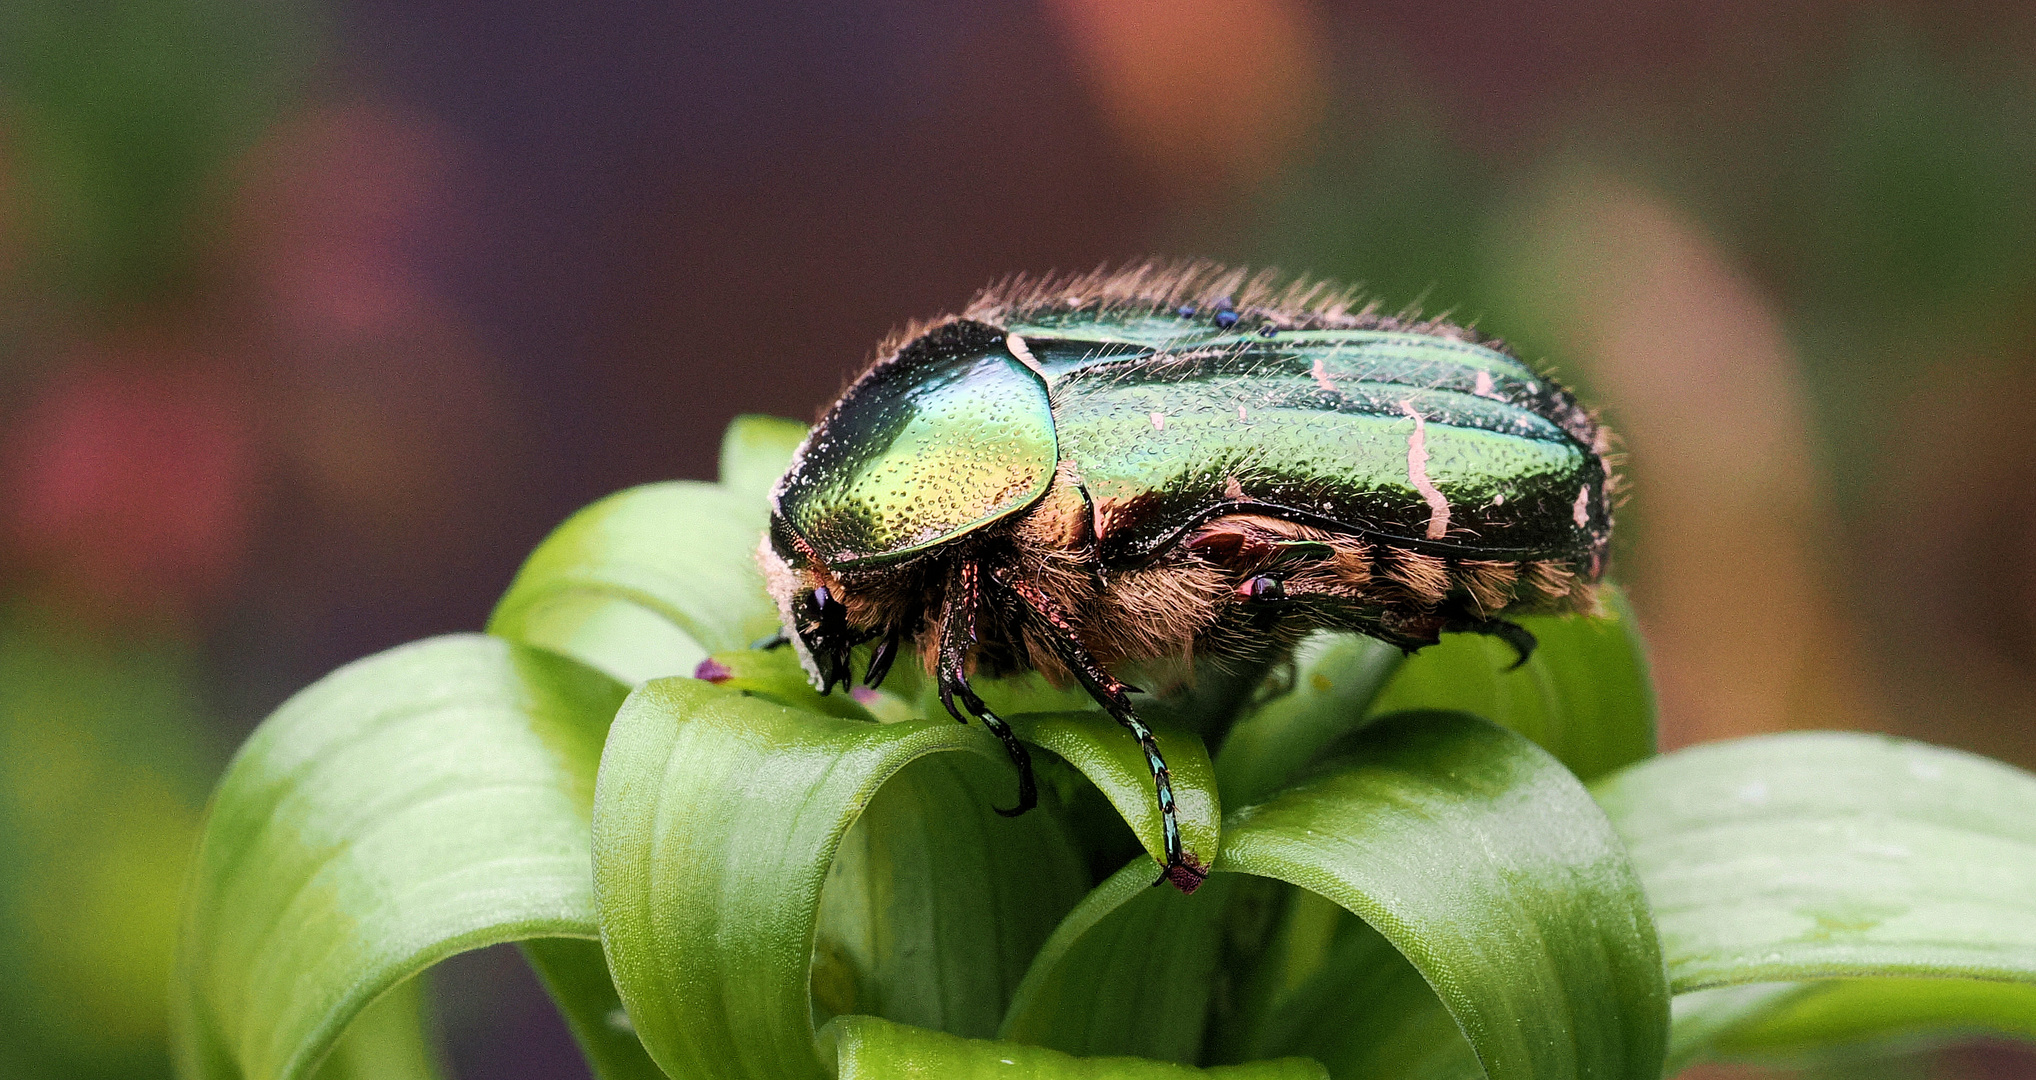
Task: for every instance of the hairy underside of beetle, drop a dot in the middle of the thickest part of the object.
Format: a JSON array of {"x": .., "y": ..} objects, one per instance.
[{"x": 1196, "y": 598}]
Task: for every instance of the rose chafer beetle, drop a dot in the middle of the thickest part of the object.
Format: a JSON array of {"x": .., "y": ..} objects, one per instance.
[{"x": 1171, "y": 460}]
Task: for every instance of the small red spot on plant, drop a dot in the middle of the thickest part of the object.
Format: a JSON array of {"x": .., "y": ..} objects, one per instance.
[
  {"x": 713, "y": 671},
  {"x": 862, "y": 695}
]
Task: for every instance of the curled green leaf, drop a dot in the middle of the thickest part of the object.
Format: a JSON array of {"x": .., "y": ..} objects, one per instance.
[
  {"x": 868, "y": 1048},
  {"x": 1827, "y": 855},
  {"x": 1583, "y": 696},
  {"x": 1335, "y": 679},
  {"x": 429, "y": 800},
  {"x": 1900, "y": 876},
  {"x": 1474, "y": 853},
  {"x": 1111, "y": 759},
  {"x": 754, "y": 452},
  {"x": 1126, "y": 973},
  {"x": 717, "y": 825},
  {"x": 644, "y": 583}
]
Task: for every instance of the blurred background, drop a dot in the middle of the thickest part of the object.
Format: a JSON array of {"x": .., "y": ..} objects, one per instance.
[{"x": 316, "y": 316}]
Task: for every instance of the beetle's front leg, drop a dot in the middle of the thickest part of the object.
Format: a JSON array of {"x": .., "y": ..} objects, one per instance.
[
  {"x": 1115, "y": 698},
  {"x": 957, "y": 637}
]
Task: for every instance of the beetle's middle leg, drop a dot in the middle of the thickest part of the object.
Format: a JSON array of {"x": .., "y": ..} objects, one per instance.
[
  {"x": 957, "y": 637},
  {"x": 1113, "y": 695}
]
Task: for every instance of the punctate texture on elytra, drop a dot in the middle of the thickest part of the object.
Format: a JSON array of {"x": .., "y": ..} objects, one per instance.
[{"x": 1174, "y": 461}]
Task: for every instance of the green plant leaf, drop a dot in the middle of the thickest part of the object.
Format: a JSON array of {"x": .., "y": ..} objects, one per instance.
[
  {"x": 645, "y": 583},
  {"x": 1474, "y": 853},
  {"x": 1827, "y": 855},
  {"x": 775, "y": 674},
  {"x": 1107, "y": 754},
  {"x": 1336, "y": 676},
  {"x": 1831, "y": 856},
  {"x": 575, "y": 974},
  {"x": 1126, "y": 973},
  {"x": 1851, "y": 1016},
  {"x": 1333, "y": 987},
  {"x": 419, "y": 803},
  {"x": 755, "y": 451},
  {"x": 719, "y": 818},
  {"x": 389, "y": 1040},
  {"x": 1584, "y": 695},
  {"x": 1700, "y": 1018},
  {"x": 869, "y": 1048}
]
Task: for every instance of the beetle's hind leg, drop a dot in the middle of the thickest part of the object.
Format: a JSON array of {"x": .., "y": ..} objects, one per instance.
[
  {"x": 957, "y": 637},
  {"x": 1113, "y": 695}
]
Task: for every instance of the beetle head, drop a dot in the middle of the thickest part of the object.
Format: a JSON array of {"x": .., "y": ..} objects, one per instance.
[{"x": 812, "y": 613}]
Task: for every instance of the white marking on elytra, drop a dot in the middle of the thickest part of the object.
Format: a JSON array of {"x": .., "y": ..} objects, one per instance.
[
  {"x": 1484, "y": 385},
  {"x": 1017, "y": 346},
  {"x": 1159, "y": 421},
  {"x": 1233, "y": 490},
  {"x": 1582, "y": 510},
  {"x": 1417, "y": 474},
  {"x": 1320, "y": 373}
]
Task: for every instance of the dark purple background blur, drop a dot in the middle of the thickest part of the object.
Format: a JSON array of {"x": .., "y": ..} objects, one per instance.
[{"x": 315, "y": 318}]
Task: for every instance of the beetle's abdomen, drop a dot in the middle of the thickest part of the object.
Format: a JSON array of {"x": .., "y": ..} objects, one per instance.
[{"x": 1423, "y": 443}]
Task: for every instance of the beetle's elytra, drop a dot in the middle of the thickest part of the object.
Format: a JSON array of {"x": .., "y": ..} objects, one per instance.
[{"x": 1173, "y": 460}]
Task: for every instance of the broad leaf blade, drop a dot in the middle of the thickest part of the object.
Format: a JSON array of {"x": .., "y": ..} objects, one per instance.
[
  {"x": 1698, "y": 1020},
  {"x": 389, "y": 1040},
  {"x": 1336, "y": 678},
  {"x": 1584, "y": 695},
  {"x": 1127, "y": 972},
  {"x": 718, "y": 819},
  {"x": 1832, "y": 856},
  {"x": 645, "y": 583},
  {"x": 1826, "y": 855},
  {"x": 575, "y": 974},
  {"x": 867, "y": 1048},
  {"x": 429, "y": 800},
  {"x": 1336, "y": 990},
  {"x": 1849, "y": 1016},
  {"x": 1479, "y": 858},
  {"x": 1097, "y": 746}
]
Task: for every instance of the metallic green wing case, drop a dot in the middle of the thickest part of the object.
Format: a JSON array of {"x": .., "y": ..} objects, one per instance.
[{"x": 1424, "y": 442}]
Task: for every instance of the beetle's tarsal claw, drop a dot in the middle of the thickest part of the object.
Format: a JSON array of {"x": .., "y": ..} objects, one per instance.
[
  {"x": 1185, "y": 877},
  {"x": 880, "y": 661},
  {"x": 773, "y": 641},
  {"x": 1519, "y": 637}
]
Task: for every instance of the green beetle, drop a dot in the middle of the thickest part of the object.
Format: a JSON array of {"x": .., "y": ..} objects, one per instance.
[{"x": 1174, "y": 460}]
